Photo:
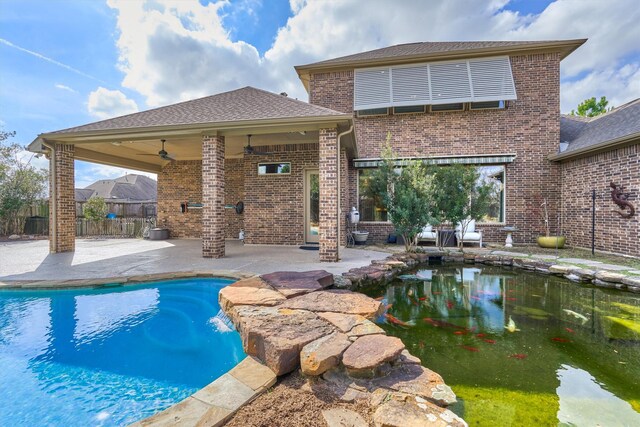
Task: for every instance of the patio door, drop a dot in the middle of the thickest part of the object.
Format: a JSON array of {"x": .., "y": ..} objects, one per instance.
[{"x": 312, "y": 206}]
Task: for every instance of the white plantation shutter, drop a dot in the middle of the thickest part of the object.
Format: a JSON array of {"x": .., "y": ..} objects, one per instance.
[
  {"x": 372, "y": 88},
  {"x": 473, "y": 80},
  {"x": 492, "y": 80},
  {"x": 410, "y": 85},
  {"x": 450, "y": 82}
]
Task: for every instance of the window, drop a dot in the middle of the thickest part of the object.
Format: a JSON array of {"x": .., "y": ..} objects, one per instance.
[
  {"x": 274, "y": 168},
  {"x": 409, "y": 109},
  {"x": 373, "y": 112},
  {"x": 431, "y": 83},
  {"x": 487, "y": 105},
  {"x": 369, "y": 208},
  {"x": 447, "y": 107},
  {"x": 372, "y": 210}
]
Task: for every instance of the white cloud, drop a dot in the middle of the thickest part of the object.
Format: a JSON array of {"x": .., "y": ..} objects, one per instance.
[
  {"x": 172, "y": 51},
  {"x": 104, "y": 103},
  {"x": 64, "y": 87}
]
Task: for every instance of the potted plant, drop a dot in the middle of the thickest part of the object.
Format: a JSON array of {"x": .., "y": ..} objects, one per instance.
[{"x": 540, "y": 209}]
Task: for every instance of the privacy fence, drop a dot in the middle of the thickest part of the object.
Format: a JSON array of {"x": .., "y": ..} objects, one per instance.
[{"x": 116, "y": 227}]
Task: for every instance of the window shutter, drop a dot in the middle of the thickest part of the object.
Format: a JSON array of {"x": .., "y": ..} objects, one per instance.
[
  {"x": 491, "y": 79},
  {"x": 449, "y": 82},
  {"x": 372, "y": 88},
  {"x": 410, "y": 85}
]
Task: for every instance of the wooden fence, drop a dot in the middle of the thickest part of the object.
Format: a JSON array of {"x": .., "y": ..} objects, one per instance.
[{"x": 116, "y": 227}]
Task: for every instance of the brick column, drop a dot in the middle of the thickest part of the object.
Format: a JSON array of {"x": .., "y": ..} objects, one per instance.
[
  {"x": 62, "y": 234},
  {"x": 213, "y": 196},
  {"x": 328, "y": 164}
]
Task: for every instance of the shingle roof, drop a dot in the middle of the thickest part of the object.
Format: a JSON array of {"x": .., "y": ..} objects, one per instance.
[
  {"x": 243, "y": 104},
  {"x": 582, "y": 132},
  {"x": 431, "y": 48},
  {"x": 129, "y": 187}
]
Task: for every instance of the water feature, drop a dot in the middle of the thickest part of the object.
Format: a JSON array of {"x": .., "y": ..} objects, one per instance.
[
  {"x": 570, "y": 356},
  {"x": 110, "y": 356}
]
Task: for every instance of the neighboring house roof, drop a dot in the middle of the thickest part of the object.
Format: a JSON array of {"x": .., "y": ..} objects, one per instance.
[
  {"x": 130, "y": 187},
  {"x": 586, "y": 134},
  {"x": 246, "y": 104},
  {"x": 431, "y": 51}
]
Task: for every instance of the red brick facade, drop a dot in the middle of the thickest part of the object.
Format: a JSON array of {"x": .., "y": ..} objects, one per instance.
[
  {"x": 64, "y": 239},
  {"x": 579, "y": 178},
  {"x": 528, "y": 128},
  {"x": 328, "y": 195},
  {"x": 213, "y": 216},
  {"x": 233, "y": 193},
  {"x": 180, "y": 182}
]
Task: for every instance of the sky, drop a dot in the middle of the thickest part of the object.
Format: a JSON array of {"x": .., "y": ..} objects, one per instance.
[{"x": 69, "y": 62}]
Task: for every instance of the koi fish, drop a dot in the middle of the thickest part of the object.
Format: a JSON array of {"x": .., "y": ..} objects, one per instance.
[
  {"x": 571, "y": 331},
  {"x": 410, "y": 292},
  {"x": 437, "y": 293},
  {"x": 488, "y": 341},
  {"x": 558, "y": 339},
  {"x": 422, "y": 298},
  {"x": 510, "y": 299},
  {"x": 399, "y": 322},
  {"x": 476, "y": 298},
  {"x": 379, "y": 298},
  {"x": 460, "y": 332},
  {"x": 450, "y": 304},
  {"x": 518, "y": 356},
  {"x": 442, "y": 324},
  {"x": 388, "y": 306},
  {"x": 578, "y": 316},
  {"x": 481, "y": 335},
  {"x": 469, "y": 348},
  {"x": 511, "y": 326}
]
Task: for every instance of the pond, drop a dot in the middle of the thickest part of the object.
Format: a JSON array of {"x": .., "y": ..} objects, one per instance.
[
  {"x": 110, "y": 356},
  {"x": 521, "y": 348}
]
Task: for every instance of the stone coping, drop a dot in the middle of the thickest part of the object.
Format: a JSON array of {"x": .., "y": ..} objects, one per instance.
[
  {"x": 214, "y": 404},
  {"x": 121, "y": 280}
]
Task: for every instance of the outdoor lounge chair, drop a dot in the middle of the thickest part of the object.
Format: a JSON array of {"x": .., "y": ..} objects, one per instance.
[
  {"x": 428, "y": 235},
  {"x": 471, "y": 235}
]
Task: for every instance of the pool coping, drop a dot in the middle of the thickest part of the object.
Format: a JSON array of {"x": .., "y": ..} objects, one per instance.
[{"x": 213, "y": 404}]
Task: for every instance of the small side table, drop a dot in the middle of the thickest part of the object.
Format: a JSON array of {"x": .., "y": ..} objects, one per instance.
[{"x": 508, "y": 243}]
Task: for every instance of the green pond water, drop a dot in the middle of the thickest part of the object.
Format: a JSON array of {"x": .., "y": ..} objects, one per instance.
[{"x": 574, "y": 360}]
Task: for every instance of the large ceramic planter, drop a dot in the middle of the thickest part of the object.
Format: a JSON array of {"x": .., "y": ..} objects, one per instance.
[
  {"x": 360, "y": 237},
  {"x": 551, "y": 242}
]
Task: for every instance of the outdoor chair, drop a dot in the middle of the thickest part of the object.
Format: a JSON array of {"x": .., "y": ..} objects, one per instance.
[
  {"x": 428, "y": 234},
  {"x": 471, "y": 234}
]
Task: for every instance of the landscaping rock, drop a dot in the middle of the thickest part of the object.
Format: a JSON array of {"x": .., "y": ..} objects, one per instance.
[
  {"x": 407, "y": 358},
  {"x": 409, "y": 413},
  {"x": 337, "y": 301},
  {"x": 292, "y": 283},
  {"x": 344, "y": 322},
  {"x": 367, "y": 327},
  {"x": 14, "y": 237},
  {"x": 561, "y": 269},
  {"x": 607, "y": 276},
  {"x": 369, "y": 352},
  {"x": 323, "y": 354},
  {"x": 583, "y": 273},
  {"x": 253, "y": 294},
  {"x": 631, "y": 281},
  {"x": 419, "y": 381},
  {"x": 341, "y": 282},
  {"x": 340, "y": 417},
  {"x": 276, "y": 336}
]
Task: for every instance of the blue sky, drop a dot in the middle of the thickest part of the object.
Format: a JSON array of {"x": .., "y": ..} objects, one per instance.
[{"x": 65, "y": 62}]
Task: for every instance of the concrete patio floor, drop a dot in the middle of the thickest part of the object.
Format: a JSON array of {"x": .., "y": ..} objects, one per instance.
[{"x": 100, "y": 258}]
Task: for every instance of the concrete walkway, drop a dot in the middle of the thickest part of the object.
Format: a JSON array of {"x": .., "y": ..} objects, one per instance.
[{"x": 98, "y": 258}]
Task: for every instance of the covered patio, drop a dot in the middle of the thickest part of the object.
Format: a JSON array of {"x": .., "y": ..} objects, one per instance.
[
  {"x": 284, "y": 159},
  {"x": 99, "y": 258}
]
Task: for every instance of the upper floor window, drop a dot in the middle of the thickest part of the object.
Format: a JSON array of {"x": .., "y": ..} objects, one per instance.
[{"x": 475, "y": 80}]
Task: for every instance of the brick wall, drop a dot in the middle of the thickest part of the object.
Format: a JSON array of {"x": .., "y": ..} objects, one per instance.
[
  {"x": 529, "y": 128},
  {"x": 329, "y": 164},
  {"x": 579, "y": 178},
  {"x": 213, "y": 184},
  {"x": 274, "y": 204},
  {"x": 64, "y": 178},
  {"x": 233, "y": 193},
  {"x": 178, "y": 182}
]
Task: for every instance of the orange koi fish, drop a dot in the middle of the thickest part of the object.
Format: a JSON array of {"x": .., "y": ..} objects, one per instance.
[
  {"x": 488, "y": 341},
  {"x": 571, "y": 331},
  {"x": 450, "y": 304},
  {"x": 379, "y": 298},
  {"x": 442, "y": 324},
  {"x": 558, "y": 339},
  {"x": 397, "y": 321},
  {"x": 422, "y": 298},
  {"x": 481, "y": 335},
  {"x": 460, "y": 332},
  {"x": 469, "y": 348},
  {"x": 388, "y": 306},
  {"x": 518, "y": 356}
]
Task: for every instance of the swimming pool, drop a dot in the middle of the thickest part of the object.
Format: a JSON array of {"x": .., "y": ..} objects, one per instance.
[
  {"x": 521, "y": 349},
  {"x": 110, "y": 356}
]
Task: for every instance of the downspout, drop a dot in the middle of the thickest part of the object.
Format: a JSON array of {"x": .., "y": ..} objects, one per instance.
[
  {"x": 52, "y": 196},
  {"x": 339, "y": 160}
]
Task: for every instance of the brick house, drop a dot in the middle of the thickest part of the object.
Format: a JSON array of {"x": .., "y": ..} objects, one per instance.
[{"x": 298, "y": 167}]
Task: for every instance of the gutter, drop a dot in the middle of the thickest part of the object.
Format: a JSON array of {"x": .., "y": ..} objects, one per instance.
[
  {"x": 339, "y": 164},
  {"x": 53, "y": 202},
  {"x": 595, "y": 148}
]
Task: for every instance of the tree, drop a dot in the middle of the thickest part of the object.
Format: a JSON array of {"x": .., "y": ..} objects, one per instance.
[
  {"x": 405, "y": 194},
  {"x": 590, "y": 107},
  {"x": 95, "y": 208},
  {"x": 21, "y": 184},
  {"x": 459, "y": 196}
]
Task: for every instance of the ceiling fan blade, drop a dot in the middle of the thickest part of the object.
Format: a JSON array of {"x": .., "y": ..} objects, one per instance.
[
  {"x": 168, "y": 157},
  {"x": 145, "y": 154}
]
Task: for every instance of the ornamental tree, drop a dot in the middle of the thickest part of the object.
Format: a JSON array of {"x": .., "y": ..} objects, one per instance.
[{"x": 95, "y": 208}]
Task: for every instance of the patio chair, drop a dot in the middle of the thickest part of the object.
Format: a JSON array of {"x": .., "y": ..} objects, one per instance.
[
  {"x": 471, "y": 234},
  {"x": 428, "y": 234}
]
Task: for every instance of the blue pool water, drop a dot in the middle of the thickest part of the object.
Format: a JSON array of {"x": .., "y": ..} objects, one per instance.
[{"x": 110, "y": 356}]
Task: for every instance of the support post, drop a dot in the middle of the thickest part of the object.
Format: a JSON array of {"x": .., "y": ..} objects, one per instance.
[
  {"x": 213, "y": 196},
  {"x": 62, "y": 203},
  {"x": 328, "y": 164}
]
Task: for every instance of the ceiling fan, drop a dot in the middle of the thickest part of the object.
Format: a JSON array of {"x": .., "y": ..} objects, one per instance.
[
  {"x": 162, "y": 153},
  {"x": 249, "y": 150}
]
